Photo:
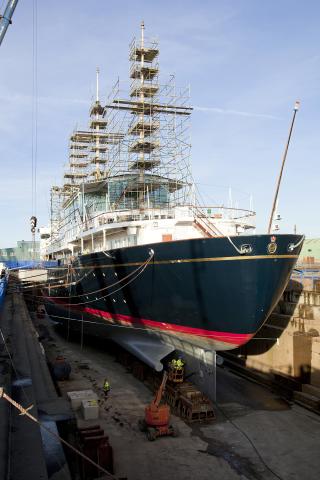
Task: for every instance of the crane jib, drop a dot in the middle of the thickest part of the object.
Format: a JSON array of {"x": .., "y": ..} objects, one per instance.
[{"x": 5, "y": 19}]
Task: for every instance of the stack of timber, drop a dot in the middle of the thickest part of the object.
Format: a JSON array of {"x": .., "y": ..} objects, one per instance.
[
  {"x": 184, "y": 398},
  {"x": 93, "y": 442},
  {"x": 188, "y": 402}
]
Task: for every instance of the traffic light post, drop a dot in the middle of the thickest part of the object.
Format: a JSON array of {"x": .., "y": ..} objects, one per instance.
[{"x": 33, "y": 225}]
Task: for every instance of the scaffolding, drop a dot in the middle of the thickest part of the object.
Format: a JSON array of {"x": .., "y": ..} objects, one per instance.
[
  {"x": 154, "y": 155},
  {"x": 133, "y": 160},
  {"x": 57, "y": 196},
  {"x": 88, "y": 149}
]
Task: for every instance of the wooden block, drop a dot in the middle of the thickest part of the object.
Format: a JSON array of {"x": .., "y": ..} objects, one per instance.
[
  {"x": 311, "y": 390},
  {"x": 306, "y": 399}
]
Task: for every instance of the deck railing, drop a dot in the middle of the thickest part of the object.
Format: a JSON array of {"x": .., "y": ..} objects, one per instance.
[{"x": 209, "y": 217}]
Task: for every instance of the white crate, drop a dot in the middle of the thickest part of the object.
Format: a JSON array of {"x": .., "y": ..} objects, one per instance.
[
  {"x": 90, "y": 409},
  {"x": 77, "y": 397}
]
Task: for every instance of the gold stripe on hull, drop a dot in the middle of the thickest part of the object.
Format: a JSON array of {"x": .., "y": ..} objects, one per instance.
[{"x": 189, "y": 260}]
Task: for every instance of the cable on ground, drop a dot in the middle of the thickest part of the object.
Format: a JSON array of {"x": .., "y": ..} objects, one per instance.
[{"x": 249, "y": 440}]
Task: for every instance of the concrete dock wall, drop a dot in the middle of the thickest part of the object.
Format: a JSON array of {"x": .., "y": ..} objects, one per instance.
[{"x": 289, "y": 343}]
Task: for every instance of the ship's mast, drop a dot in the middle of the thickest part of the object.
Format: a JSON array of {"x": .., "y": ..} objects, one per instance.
[
  {"x": 144, "y": 89},
  {"x": 98, "y": 126},
  {"x": 89, "y": 148},
  {"x": 142, "y": 136},
  {"x": 88, "y": 157},
  {"x": 97, "y": 84}
]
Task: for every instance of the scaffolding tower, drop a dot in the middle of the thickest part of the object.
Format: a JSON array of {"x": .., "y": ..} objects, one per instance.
[
  {"x": 155, "y": 150},
  {"x": 137, "y": 146},
  {"x": 88, "y": 149}
]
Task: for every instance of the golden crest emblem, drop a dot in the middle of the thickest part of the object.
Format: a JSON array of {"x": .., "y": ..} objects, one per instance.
[{"x": 272, "y": 248}]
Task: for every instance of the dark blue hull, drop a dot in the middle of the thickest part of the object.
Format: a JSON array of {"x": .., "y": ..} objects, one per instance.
[
  {"x": 3, "y": 287},
  {"x": 199, "y": 291}
]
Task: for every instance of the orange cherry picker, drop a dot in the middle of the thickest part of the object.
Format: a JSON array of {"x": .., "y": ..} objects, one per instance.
[{"x": 156, "y": 422}]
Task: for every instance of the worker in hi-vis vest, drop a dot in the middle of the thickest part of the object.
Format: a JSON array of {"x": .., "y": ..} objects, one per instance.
[
  {"x": 177, "y": 363},
  {"x": 106, "y": 388}
]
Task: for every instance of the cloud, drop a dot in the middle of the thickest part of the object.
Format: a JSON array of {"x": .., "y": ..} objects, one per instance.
[{"x": 226, "y": 111}]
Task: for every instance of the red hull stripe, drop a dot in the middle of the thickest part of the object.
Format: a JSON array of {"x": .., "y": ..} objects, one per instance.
[{"x": 226, "y": 337}]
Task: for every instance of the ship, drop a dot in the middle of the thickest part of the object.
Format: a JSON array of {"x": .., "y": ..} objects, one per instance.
[{"x": 140, "y": 260}]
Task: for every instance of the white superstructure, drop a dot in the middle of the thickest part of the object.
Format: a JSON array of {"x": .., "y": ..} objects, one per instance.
[{"x": 128, "y": 180}]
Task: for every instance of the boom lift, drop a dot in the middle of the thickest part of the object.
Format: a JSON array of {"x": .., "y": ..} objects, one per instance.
[{"x": 156, "y": 422}]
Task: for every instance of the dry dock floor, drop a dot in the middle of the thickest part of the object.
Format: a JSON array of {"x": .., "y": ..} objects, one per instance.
[{"x": 256, "y": 434}]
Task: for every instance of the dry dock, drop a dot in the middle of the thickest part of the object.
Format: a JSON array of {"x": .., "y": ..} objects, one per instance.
[
  {"x": 24, "y": 375},
  {"x": 287, "y": 347},
  {"x": 256, "y": 434}
]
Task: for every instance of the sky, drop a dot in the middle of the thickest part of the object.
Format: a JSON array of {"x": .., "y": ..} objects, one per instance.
[{"x": 246, "y": 61}]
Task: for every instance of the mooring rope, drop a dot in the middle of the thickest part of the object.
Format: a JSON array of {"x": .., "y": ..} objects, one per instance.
[
  {"x": 292, "y": 246},
  {"x": 108, "y": 286},
  {"x": 25, "y": 411},
  {"x": 111, "y": 293}
]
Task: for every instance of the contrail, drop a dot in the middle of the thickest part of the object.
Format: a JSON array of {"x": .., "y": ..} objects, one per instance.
[
  {"x": 25, "y": 99},
  {"x": 225, "y": 111}
]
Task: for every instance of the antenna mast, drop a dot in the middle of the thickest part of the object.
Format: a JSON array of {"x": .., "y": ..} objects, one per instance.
[
  {"x": 97, "y": 86},
  {"x": 296, "y": 108}
]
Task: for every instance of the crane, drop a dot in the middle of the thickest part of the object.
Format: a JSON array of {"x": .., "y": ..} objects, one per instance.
[{"x": 5, "y": 19}]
